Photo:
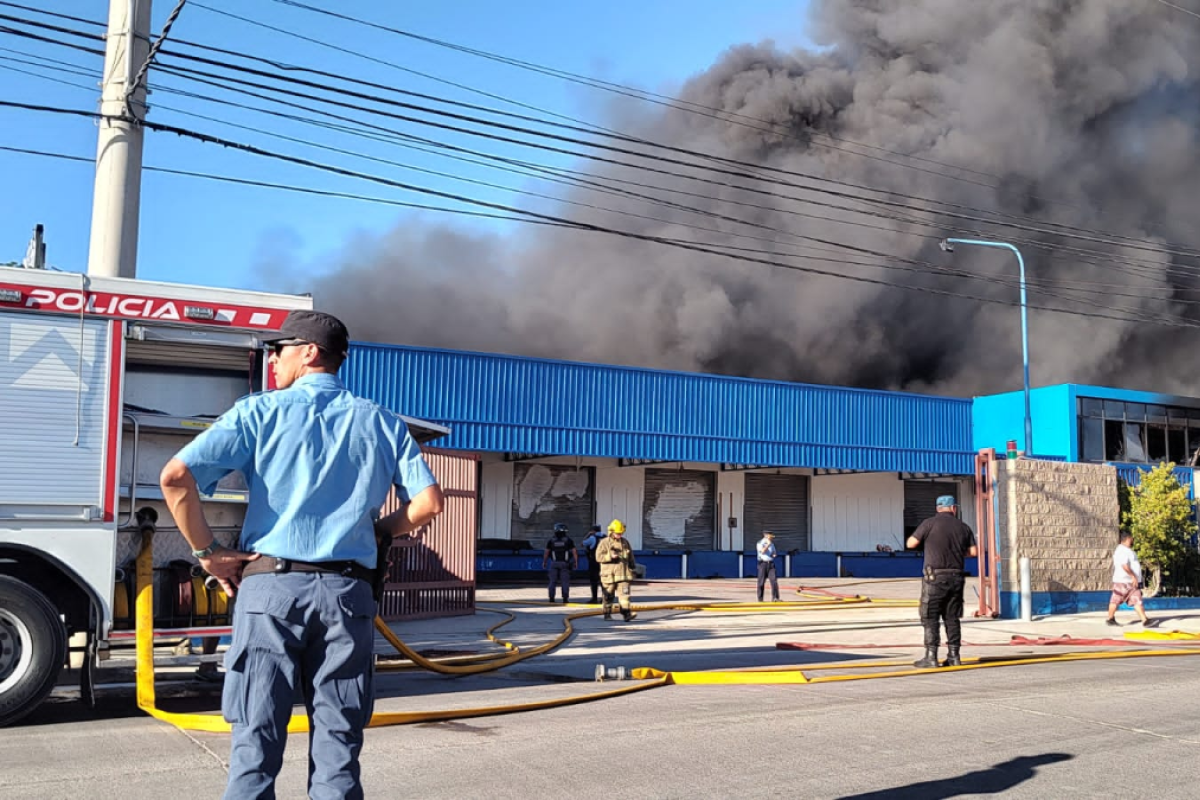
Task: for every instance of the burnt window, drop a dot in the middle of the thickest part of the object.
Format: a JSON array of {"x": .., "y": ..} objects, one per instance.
[{"x": 1115, "y": 430}]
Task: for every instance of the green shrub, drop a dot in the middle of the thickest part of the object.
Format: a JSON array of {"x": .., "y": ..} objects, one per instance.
[{"x": 1161, "y": 518}]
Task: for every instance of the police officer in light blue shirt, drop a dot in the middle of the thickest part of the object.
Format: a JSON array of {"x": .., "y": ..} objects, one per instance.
[
  {"x": 766, "y": 566},
  {"x": 319, "y": 463}
]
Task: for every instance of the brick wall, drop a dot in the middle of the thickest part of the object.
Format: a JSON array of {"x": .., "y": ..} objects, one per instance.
[{"x": 1065, "y": 518}]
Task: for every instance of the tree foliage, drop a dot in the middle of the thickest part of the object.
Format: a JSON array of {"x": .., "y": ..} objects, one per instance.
[{"x": 1161, "y": 518}]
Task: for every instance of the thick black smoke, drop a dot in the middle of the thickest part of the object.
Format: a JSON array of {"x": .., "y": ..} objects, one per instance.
[{"x": 1081, "y": 112}]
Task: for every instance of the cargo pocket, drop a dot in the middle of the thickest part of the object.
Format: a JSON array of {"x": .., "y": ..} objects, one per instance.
[
  {"x": 354, "y": 679},
  {"x": 257, "y": 651}
]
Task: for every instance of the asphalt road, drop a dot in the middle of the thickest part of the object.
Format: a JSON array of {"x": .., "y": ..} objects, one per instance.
[{"x": 1128, "y": 728}]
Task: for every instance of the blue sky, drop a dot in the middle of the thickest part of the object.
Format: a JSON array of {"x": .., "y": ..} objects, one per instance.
[{"x": 196, "y": 231}]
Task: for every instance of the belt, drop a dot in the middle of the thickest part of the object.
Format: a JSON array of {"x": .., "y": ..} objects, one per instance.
[
  {"x": 279, "y": 566},
  {"x": 946, "y": 571}
]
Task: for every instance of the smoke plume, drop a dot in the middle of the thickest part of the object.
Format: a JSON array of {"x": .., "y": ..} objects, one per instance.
[{"x": 1077, "y": 112}]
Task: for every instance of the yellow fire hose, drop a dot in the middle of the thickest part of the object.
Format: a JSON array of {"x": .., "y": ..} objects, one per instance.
[
  {"x": 649, "y": 678},
  {"x": 147, "y": 700}
]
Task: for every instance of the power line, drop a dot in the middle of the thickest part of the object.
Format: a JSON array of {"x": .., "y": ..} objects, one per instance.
[
  {"x": 290, "y": 188},
  {"x": 678, "y": 103},
  {"x": 186, "y": 72},
  {"x": 1114, "y": 239},
  {"x": 1180, "y": 8},
  {"x": 1034, "y": 243},
  {"x": 659, "y": 99},
  {"x": 81, "y": 20},
  {"x": 207, "y": 138}
]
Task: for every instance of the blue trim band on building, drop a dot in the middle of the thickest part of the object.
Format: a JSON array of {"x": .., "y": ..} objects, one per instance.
[
  {"x": 1047, "y": 603},
  {"x": 513, "y": 404}
]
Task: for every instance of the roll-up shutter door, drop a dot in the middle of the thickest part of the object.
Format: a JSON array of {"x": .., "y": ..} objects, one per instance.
[
  {"x": 679, "y": 510},
  {"x": 545, "y": 494},
  {"x": 52, "y": 387},
  {"x": 920, "y": 501},
  {"x": 777, "y": 503}
]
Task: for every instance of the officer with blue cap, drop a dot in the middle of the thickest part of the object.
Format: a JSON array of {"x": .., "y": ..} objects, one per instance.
[{"x": 947, "y": 542}]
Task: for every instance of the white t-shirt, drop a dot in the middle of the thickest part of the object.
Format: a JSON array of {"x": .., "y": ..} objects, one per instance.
[{"x": 1121, "y": 556}]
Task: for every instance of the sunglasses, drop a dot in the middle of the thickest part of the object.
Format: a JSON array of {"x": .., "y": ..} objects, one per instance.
[{"x": 277, "y": 347}]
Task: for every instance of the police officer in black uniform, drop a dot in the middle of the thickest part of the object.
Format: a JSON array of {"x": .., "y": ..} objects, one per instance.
[{"x": 947, "y": 542}]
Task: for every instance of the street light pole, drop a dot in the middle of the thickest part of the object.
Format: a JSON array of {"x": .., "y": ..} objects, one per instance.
[{"x": 948, "y": 246}]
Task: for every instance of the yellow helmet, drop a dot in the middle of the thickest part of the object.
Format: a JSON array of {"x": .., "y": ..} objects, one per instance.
[{"x": 616, "y": 526}]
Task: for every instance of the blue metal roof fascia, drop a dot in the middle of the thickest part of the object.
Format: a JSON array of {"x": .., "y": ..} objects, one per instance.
[
  {"x": 517, "y": 404},
  {"x": 504, "y": 438}
]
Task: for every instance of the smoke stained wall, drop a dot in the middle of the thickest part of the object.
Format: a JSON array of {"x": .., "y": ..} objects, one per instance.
[{"x": 1082, "y": 113}]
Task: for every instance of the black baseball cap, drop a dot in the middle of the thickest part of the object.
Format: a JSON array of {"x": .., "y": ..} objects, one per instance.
[{"x": 324, "y": 330}]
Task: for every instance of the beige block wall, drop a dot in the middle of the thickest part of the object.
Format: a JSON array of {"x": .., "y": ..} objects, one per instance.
[{"x": 1064, "y": 518}]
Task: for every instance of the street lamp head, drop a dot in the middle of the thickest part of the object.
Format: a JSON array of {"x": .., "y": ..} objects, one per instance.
[{"x": 946, "y": 245}]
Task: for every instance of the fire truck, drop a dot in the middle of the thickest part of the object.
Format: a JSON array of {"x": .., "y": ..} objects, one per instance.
[{"x": 102, "y": 380}]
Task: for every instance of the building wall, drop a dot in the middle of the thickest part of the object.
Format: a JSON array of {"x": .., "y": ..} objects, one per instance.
[
  {"x": 731, "y": 499},
  {"x": 996, "y": 419},
  {"x": 495, "y": 501},
  {"x": 857, "y": 512},
  {"x": 1064, "y": 518},
  {"x": 620, "y": 492}
]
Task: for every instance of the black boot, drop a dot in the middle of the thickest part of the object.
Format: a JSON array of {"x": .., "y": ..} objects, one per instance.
[
  {"x": 608, "y": 611},
  {"x": 952, "y": 657},
  {"x": 930, "y": 660},
  {"x": 628, "y": 614}
]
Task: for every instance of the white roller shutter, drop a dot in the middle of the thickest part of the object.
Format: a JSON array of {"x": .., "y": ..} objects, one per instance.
[
  {"x": 52, "y": 404},
  {"x": 546, "y": 494},
  {"x": 679, "y": 510}
]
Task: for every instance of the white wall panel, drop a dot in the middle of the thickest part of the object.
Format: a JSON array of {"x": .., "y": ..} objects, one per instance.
[
  {"x": 495, "y": 500},
  {"x": 619, "y": 493},
  {"x": 731, "y": 496},
  {"x": 857, "y": 512}
]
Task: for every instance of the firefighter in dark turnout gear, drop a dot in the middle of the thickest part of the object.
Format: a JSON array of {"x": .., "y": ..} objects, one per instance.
[
  {"x": 947, "y": 542},
  {"x": 594, "y": 538},
  {"x": 617, "y": 567}
]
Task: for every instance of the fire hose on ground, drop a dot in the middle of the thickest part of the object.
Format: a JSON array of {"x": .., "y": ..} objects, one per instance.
[{"x": 648, "y": 678}]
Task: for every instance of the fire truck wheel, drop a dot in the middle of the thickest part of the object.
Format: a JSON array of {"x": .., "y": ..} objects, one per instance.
[{"x": 33, "y": 646}]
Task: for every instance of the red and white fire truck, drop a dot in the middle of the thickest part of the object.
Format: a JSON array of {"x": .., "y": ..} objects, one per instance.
[{"x": 102, "y": 380}]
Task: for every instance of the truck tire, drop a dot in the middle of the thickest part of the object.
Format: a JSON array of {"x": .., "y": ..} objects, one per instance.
[{"x": 33, "y": 647}]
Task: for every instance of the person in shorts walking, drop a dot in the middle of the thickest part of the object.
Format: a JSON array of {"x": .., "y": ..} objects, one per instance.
[{"x": 1127, "y": 582}]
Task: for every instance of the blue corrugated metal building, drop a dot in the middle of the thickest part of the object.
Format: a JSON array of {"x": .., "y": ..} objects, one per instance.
[
  {"x": 511, "y": 404},
  {"x": 693, "y": 463}
]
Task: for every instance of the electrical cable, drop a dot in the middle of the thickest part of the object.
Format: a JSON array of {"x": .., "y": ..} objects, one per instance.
[
  {"x": 207, "y": 138},
  {"x": 1129, "y": 241}
]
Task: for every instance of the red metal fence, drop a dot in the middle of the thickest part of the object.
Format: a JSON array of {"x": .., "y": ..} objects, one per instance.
[{"x": 434, "y": 576}]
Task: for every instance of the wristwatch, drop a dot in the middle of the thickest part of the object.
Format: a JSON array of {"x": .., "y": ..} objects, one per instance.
[{"x": 208, "y": 551}]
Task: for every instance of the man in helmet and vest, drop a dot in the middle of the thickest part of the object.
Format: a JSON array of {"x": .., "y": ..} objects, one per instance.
[
  {"x": 617, "y": 567},
  {"x": 561, "y": 556}
]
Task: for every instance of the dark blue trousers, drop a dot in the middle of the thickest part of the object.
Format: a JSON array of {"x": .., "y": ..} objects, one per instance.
[{"x": 307, "y": 636}]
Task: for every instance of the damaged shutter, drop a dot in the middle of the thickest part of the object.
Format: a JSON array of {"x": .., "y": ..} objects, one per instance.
[
  {"x": 679, "y": 510},
  {"x": 920, "y": 500},
  {"x": 545, "y": 494},
  {"x": 776, "y": 503}
]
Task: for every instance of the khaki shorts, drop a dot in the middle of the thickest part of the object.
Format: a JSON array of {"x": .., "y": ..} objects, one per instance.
[{"x": 1126, "y": 593}]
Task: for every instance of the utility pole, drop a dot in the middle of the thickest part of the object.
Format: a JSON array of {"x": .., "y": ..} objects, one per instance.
[{"x": 117, "y": 195}]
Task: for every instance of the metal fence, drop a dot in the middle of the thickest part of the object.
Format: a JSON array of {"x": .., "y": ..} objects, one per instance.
[{"x": 434, "y": 576}]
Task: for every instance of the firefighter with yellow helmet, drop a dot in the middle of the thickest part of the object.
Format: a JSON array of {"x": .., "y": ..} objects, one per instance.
[{"x": 617, "y": 569}]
